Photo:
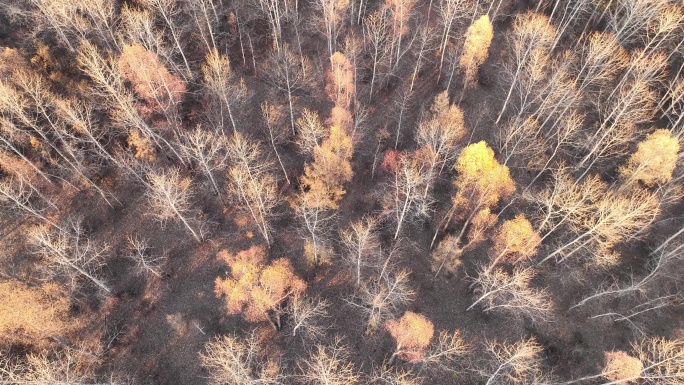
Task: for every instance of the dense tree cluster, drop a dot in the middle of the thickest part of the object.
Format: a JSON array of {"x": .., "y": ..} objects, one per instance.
[{"x": 408, "y": 192}]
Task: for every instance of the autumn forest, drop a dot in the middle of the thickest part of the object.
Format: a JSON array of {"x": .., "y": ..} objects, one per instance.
[{"x": 341, "y": 192}]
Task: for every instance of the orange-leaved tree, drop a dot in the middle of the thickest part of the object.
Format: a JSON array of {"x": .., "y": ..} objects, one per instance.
[
  {"x": 158, "y": 88},
  {"x": 257, "y": 289},
  {"x": 413, "y": 333},
  {"x": 515, "y": 240},
  {"x": 481, "y": 183},
  {"x": 32, "y": 314}
]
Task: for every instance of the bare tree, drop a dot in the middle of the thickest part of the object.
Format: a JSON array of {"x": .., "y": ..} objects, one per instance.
[
  {"x": 137, "y": 26},
  {"x": 405, "y": 199},
  {"x": 667, "y": 255},
  {"x": 401, "y": 12},
  {"x": 233, "y": 360},
  {"x": 139, "y": 251},
  {"x": 383, "y": 296},
  {"x": 15, "y": 192},
  {"x": 71, "y": 254},
  {"x": 252, "y": 182},
  {"x": 363, "y": 246},
  {"x": 311, "y": 131},
  {"x": 307, "y": 317},
  {"x": 207, "y": 16},
  {"x": 511, "y": 363},
  {"x": 316, "y": 219},
  {"x": 169, "y": 195},
  {"x": 449, "y": 11},
  {"x": 168, "y": 11},
  {"x": 64, "y": 366},
  {"x": 377, "y": 33},
  {"x": 277, "y": 132},
  {"x": 424, "y": 46},
  {"x": 79, "y": 19},
  {"x": 438, "y": 137},
  {"x": 331, "y": 13},
  {"x": 532, "y": 36},
  {"x": 206, "y": 150},
  {"x": 612, "y": 219},
  {"x": 329, "y": 365},
  {"x": 390, "y": 375},
  {"x": 275, "y": 11},
  {"x": 289, "y": 75},
  {"x": 219, "y": 80},
  {"x": 512, "y": 294},
  {"x": 655, "y": 360}
]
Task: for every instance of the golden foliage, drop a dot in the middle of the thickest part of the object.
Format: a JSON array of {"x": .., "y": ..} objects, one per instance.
[
  {"x": 254, "y": 288},
  {"x": 340, "y": 81},
  {"x": 655, "y": 159},
  {"x": 323, "y": 179},
  {"x": 478, "y": 38},
  {"x": 413, "y": 333},
  {"x": 143, "y": 148},
  {"x": 516, "y": 240},
  {"x": 32, "y": 314},
  {"x": 481, "y": 180},
  {"x": 620, "y": 366}
]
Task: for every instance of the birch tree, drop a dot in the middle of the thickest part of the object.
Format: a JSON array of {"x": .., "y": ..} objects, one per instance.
[
  {"x": 512, "y": 294},
  {"x": 331, "y": 14},
  {"x": 206, "y": 150},
  {"x": 225, "y": 90},
  {"x": 170, "y": 196},
  {"x": 512, "y": 362},
  {"x": 252, "y": 182},
  {"x": 290, "y": 76},
  {"x": 71, "y": 255},
  {"x": 363, "y": 246},
  {"x": 235, "y": 360},
  {"x": 478, "y": 38},
  {"x": 532, "y": 35}
]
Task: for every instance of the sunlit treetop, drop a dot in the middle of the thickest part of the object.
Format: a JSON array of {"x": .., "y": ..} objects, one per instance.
[
  {"x": 478, "y": 38},
  {"x": 323, "y": 179},
  {"x": 516, "y": 239},
  {"x": 413, "y": 333},
  {"x": 481, "y": 174},
  {"x": 253, "y": 287},
  {"x": 655, "y": 159}
]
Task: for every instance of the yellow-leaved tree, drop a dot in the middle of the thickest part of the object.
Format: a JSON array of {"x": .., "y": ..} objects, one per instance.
[
  {"x": 480, "y": 184},
  {"x": 654, "y": 161},
  {"x": 478, "y": 38},
  {"x": 323, "y": 180},
  {"x": 257, "y": 289}
]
